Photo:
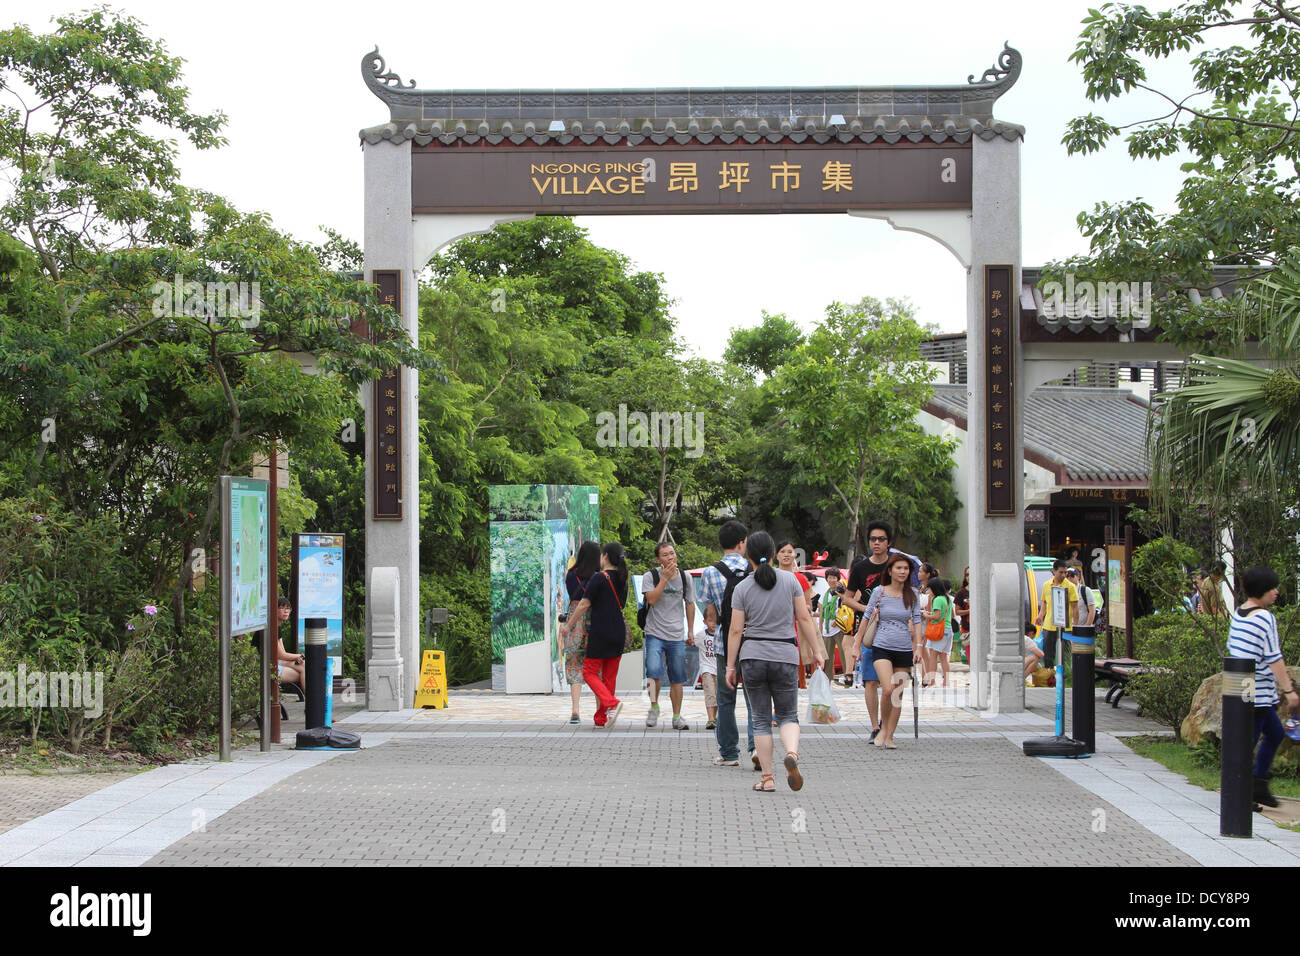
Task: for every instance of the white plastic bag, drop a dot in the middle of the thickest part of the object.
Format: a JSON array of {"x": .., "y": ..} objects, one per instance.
[{"x": 821, "y": 700}]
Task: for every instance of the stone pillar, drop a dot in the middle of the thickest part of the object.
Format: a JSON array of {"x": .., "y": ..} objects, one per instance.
[
  {"x": 390, "y": 244},
  {"x": 1006, "y": 662},
  {"x": 995, "y": 239}
]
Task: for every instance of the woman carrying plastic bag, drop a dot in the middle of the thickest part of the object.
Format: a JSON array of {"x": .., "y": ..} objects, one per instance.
[{"x": 821, "y": 700}]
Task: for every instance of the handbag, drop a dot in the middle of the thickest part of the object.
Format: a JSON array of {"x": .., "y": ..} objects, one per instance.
[
  {"x": 844, "y": 619},
  {"x": 869, "y": 632},
  {"x": 934, "y": 630}
]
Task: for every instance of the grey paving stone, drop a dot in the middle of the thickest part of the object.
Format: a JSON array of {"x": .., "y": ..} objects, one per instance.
[{"x": 636, "y": 799}]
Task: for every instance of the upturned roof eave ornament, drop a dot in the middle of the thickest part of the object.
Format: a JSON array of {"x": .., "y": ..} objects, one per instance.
[
  {"x": 1000, "y": 77},
  {"x": 384, "y": 83}
]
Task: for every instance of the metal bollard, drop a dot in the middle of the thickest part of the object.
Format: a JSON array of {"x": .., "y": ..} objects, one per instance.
[
  {"x": 316, "y": 666},
  {"x": 1083, "y": 710},
  {"x": 1236, "y": 796}
]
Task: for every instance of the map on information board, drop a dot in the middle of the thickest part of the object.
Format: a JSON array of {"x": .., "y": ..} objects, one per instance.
[{"x": 248, "y": 534}]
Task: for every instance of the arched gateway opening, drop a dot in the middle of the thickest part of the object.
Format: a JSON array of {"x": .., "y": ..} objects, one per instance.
[{"x": 931, "y": 159}]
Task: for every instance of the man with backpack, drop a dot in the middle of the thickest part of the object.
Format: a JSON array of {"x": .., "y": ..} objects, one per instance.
[
  {"x": 1088, "y": 598},
  {"x": 668, "y": 593},
  {"x": 717, "y": 584}
]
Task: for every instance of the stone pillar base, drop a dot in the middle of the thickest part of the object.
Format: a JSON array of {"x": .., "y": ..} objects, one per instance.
[
  {"x": 384, "y": 685},
  {"x": 384, "y": 665}
]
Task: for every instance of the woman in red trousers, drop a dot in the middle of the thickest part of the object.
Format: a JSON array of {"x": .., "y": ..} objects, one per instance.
[{"x": 605, "y": 596}]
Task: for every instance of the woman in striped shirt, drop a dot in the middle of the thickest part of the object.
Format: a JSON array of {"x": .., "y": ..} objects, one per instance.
[{"x": 1253, "y": 636}]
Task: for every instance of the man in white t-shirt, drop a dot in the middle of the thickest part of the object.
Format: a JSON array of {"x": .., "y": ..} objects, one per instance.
[{"x": 1086, "y": 612}]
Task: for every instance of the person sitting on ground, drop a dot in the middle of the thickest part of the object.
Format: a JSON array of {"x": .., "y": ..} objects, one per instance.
[{"x": 1034, "y": 652}]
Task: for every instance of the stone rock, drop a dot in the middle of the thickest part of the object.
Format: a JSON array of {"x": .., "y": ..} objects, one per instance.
[{"x": 1205, "y": 719}]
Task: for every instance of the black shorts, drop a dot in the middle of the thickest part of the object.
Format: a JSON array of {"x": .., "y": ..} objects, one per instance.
[{"x": 899, "y": 659}]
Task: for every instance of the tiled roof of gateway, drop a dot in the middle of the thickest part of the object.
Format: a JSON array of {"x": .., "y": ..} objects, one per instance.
[
  {"x": 694, "y": 115},
  {"x": 1088, "y": 436},
  {"x": 1107, "y": 309}
]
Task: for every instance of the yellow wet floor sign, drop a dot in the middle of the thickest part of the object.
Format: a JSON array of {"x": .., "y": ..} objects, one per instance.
[{"x": 432, "y": 689}]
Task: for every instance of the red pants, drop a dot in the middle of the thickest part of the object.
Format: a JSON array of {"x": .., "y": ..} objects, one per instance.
[{"x": 601, "y": 675}]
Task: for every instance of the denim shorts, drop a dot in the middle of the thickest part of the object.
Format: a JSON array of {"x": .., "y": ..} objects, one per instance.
[
  {"x": 865, "y": 668},
  {"x": 658, "y": 651}
]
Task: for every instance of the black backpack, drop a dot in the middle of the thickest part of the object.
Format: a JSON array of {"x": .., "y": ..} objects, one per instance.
[
  {"x": 643, "y": 611},
  {"x": 724, "y": 613}
]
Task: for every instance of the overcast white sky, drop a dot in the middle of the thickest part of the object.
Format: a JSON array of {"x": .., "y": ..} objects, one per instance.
[{"x": 288, "y": 76}]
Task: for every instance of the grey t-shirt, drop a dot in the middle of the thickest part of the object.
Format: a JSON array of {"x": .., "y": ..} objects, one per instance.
[
  {"x": 768, "y": 615},
  {"x": 894, "y": 633},
  {"x": 666, "y": 619}
]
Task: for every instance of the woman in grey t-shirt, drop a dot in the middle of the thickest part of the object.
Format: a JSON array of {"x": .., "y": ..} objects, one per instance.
[
  {"x": 761, "y": 643},
  {"x": 898, "y": 640}
]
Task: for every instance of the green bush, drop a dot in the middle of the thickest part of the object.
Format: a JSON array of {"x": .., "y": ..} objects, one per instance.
[
  {"x": 1182, "y": 650},
  {"x": 466, "y": 637},
  {"x": 1180, "y": 653},
  {"x": 189, "y": 701}
]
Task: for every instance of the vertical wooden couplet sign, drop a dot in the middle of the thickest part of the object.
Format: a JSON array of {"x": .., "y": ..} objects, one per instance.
[
  {"x": 387, "y": 396},
  {"x": 999, "y": 391}
]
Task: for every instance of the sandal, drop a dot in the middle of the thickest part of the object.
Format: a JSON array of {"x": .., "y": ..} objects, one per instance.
[
  {"x": 762, "y": 785},
  {"x": 793, "y": 777}
]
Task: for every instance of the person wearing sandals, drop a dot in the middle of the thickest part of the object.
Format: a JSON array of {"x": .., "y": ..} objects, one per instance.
[
  {"x": 761, "y": 644},
  {"x": 585, "y": 563},
  {"x": 899, "y": 633},
  {"x": 604, "y": 596},
  {"x": 936, "y": 653}
]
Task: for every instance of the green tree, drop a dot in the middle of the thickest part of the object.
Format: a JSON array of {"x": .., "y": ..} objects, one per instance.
[
  {"x": 848, "y": 401},
  {"x": 119, "y": 396},
  {"x": 1225, "y": 446},
  {"x": 1239, "y": 132},
  {"x": 764, "y": 347}
]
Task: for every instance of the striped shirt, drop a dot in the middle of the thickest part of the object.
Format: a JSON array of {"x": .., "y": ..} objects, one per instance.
[{"x": 1254, "y": 637}]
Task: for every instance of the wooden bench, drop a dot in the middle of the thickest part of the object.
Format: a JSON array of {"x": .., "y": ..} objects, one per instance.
[{"x": 1119, "y": 671}]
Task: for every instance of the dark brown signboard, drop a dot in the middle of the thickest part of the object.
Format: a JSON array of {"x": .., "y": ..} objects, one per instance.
[
  {"x": 387, "y": 416},
  {"x": 999, "y": 394},
  {"x": 677, "y": 179},
  {"x": 1101, "y": 496}
]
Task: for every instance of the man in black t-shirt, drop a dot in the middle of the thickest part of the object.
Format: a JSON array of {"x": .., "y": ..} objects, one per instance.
[{"x": 868, "y": 573}]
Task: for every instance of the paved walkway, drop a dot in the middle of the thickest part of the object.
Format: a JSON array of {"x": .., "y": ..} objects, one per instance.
[
  {"x": 505, "y": 780},
  {"x": 25, "y": 796}
]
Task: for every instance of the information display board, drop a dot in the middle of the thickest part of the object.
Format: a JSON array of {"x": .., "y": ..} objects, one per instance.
[
  {"x": 244, "y": 536},
  {"x": 318, "y": 591}
]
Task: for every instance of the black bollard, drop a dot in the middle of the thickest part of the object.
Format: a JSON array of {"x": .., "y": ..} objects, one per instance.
[
  {"x": 317, "y": 665},
  {"x": 1083, "y": 710},
  {"x": 1236, "y": 782}
]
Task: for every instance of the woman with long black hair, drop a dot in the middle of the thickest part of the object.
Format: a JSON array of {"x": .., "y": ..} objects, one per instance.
[
  {"x": 585, "y": 563},
  {"x": 761, "y": 644},
  {"x": 897, "y": 643},
  {"x": 605, "y": 596}
]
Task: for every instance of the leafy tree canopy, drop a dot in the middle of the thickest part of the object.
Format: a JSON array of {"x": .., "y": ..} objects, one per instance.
[{"x": 1239, "y": 129}]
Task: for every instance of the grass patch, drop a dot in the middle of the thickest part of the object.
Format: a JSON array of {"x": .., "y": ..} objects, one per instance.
[
  {"x": 1200, "y": 765},
  {"x": 48, "y": 757}
]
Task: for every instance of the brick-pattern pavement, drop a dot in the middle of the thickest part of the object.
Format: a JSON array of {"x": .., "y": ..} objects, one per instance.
[
  {"x": 26, "y": 796},
  {"x": 453, "y": 796}
]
